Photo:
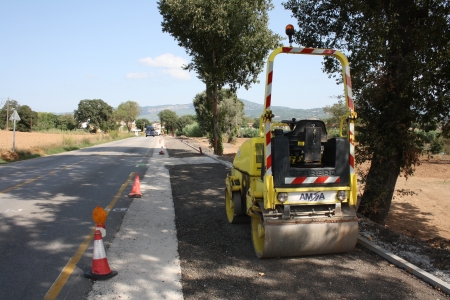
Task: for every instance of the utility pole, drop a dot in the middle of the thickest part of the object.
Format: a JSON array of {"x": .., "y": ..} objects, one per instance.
[{"x": 7, "y": 113}]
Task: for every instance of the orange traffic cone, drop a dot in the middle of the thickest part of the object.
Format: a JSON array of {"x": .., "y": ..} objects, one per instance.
[
  {"x": 100, "y": 268},
  {"x": 136, "y": 190}
]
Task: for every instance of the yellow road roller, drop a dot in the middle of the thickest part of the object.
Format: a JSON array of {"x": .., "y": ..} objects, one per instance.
[{"x": 295, "y": 185}]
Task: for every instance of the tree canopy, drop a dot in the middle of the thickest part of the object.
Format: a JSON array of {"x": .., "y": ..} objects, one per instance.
[
  {"x": 97, "y": 113},
  {"x": 36, "y": 121},
  {"x": 400, "y": 64},
  {"x": 169, "y": 119},
  {"x": 141, "y": 123},
  {"x": 230, "y": 112},
  {"x": 28, "y": 118},
  {"x": 185, "y": 120},
  {"x": 46, "y": 121},
  {"x": 127, "y": 112},
  {"x": 66, "y": 122},
  {"x": 6, "y": 111},
  {"x": 227, "y": 42},
  {"x": 335, "y": 111}
]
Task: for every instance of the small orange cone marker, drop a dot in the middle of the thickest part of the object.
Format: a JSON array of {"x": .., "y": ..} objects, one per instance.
[
  {"x": 100, "y": 268},
  {"x": 99, "y": 217},
  {"x": 136, "y": 190}
]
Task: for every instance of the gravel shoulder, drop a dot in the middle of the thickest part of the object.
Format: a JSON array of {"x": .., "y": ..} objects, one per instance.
[{"x": 218, "y": 262}]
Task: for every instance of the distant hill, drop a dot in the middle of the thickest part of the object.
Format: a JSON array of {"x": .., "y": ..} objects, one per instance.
[
  {"x": 251, "y": 109},
  {"x": 254, "y": 110},
  {"x": 151, "y": 112}
]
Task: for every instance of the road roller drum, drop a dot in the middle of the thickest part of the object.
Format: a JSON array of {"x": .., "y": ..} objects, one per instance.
[{"x": 275, "y": 237}]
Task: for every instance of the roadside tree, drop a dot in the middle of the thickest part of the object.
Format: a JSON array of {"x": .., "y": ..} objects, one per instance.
[
  {"x": 231, "y": 115},
  {"x": 169, "y": 120},
  {"x": 5, "y": 113},
  {"x": 227, "y": 42},
  {"x": 184, "y": 121},
  {"x": 66, "y": 122},
  {"x": 46, "y": 121},
  {"x": 141, "y": 123},
  {"x": 97, "y": 113},
  {"x": 28, "y": 118},
  {"x": 255, "y": 123},
  {"x": 230, "y": 112},
  {"x": 247, "y": 121},
  {"x": 335, "y": 111},
  {"x": 400, "y": 65},
  {"x": 128, "y": 113}
]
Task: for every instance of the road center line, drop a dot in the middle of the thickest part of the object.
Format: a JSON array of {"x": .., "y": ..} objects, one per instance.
[{"x": 59, "y": 283}]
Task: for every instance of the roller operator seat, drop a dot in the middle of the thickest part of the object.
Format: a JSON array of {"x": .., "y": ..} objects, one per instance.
[{"x": 305, "y": 140}]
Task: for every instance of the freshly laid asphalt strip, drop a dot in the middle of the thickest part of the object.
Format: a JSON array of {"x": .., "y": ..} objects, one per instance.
[{"x": 216, "y": 258}]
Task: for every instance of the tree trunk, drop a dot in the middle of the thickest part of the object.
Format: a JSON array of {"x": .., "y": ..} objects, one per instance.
[
  {"x": 380, "y": 188},
  {"x": 216, "y": 123},
  {"x": 217, "y": 143}
]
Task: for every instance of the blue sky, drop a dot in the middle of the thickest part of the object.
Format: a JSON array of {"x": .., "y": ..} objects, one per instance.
[{"x": 55, "y": 53}]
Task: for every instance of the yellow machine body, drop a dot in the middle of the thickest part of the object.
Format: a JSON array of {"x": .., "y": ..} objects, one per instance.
[{"x": 297, "y": 187}]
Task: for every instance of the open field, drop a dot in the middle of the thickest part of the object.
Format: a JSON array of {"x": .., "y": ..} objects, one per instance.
[
  {"x": 35, "y": 144},
  {"x": 26, "y": 140}
]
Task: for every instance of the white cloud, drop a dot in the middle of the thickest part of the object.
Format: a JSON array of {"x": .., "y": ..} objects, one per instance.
[
  {"x": 170, "y": 63},
  {"x": 137, "y": 75},
  {"x": 167, "y": 60},
  {"x": 178, "y": 73}
]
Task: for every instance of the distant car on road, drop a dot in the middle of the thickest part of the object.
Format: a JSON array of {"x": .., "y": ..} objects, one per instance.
[{"x": 150, "y": 130}]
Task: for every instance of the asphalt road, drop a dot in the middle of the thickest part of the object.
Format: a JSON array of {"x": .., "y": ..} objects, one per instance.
[{"x": 45, "y": 214}]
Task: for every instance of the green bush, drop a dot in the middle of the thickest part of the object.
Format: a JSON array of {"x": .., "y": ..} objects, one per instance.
[
  {"x": 249, "y": 132},
  {"x": 437, "y": 145},
  {"x": 431, "y": 141},
  {"x": 192, "y": 130},
  {"x": 333, "y": 133}
]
